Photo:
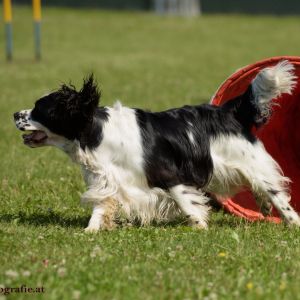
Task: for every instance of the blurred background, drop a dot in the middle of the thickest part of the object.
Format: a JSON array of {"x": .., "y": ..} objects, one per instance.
[
  {"x": 154, "y": 53},
  {"x": 207, "y": 6}
]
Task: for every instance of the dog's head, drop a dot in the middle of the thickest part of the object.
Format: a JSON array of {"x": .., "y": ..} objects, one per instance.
[{"x": 60, "y": 117}]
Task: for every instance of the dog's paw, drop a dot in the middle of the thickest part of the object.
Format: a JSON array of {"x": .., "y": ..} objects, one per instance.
[
  {"x": 293, "y": 220},
  {"x": 197, "y": 224},
  {"x": 91, "y": 229},
  {"x": 105, "y": 226},
  {"x": 266, "y": 209}
]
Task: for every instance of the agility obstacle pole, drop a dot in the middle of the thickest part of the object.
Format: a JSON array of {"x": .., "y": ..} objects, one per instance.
[
  {"x": 7, "y": 11},
  {"x": 37, "y": 17},
  {"x": 280, "y": 135}
]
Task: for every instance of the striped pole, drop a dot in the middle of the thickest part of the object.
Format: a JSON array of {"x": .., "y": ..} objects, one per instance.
[
  {"x": 8, "y": 28},
  {"x": 37, "y": 17}
]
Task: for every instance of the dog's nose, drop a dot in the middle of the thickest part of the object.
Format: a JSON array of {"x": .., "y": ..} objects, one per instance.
[{"x": 16, "y": 115}]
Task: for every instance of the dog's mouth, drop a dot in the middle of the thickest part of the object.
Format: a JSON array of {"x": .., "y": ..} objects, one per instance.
[{"x": 34, "y": 138}]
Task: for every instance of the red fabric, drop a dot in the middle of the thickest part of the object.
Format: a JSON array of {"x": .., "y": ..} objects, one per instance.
[{"x": 280, "y": 135}]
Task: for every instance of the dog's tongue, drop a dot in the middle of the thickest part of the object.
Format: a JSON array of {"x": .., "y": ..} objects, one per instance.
[{"x": 35, "y": 136}]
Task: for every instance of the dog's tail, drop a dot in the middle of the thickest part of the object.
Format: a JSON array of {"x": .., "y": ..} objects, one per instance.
[{"x": 254, "y": 107}]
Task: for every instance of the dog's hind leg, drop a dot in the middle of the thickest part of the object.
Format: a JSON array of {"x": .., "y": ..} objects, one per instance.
[
  {"x": 280, "y": 199},
  {"x": 193, "y": 204},
  {"x": 103, "y": 216},
  {"x": 264, "y": 204},
  {"x": 269, "y": 186}
]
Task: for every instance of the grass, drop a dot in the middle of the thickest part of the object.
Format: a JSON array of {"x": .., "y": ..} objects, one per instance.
[{"x": 150, "y": 62}]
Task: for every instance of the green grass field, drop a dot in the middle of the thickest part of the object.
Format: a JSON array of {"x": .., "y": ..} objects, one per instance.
[{"x": 151, "y": 62}]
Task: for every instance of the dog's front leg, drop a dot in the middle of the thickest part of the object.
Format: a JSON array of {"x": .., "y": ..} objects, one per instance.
[
  {"x": 103, "y": 216},
  {"x": 96, "y": 219}
]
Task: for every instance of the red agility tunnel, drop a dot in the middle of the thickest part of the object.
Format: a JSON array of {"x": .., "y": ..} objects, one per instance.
[{"x": 280, "y": 135}]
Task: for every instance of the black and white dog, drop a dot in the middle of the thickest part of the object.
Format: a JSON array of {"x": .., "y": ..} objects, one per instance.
[{"x": 154, "y": 166}]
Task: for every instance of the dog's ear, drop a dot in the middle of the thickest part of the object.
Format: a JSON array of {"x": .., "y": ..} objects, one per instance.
[{"x": 89, "y": 95}]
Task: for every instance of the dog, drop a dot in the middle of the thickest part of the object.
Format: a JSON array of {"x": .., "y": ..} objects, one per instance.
[{"x": 159, "y": 165}]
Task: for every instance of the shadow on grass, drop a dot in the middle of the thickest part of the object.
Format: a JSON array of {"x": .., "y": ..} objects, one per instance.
[
  {"x": 233, "y": 223},
  {"x": 45, "y": 219},
  {"x": 56, "y": 219}
]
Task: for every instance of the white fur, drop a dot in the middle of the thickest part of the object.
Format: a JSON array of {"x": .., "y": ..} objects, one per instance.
[
  {"x": 239, "y": 164},
  {"x": 115, "y": 169},
  {"x": 192, "y": 203},
  {"x": 270, "y": 83},
  {"x": 23, "y": 122},
  {"x": 191, "y": 137},
  {"x": 96, "y": 219}
]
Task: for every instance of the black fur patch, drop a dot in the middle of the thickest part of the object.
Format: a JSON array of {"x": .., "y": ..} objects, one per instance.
[
  {"x": 245, "y": 110},
  {"x": 73, "y": 114},
  {"x": 171, "y": 158}
]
